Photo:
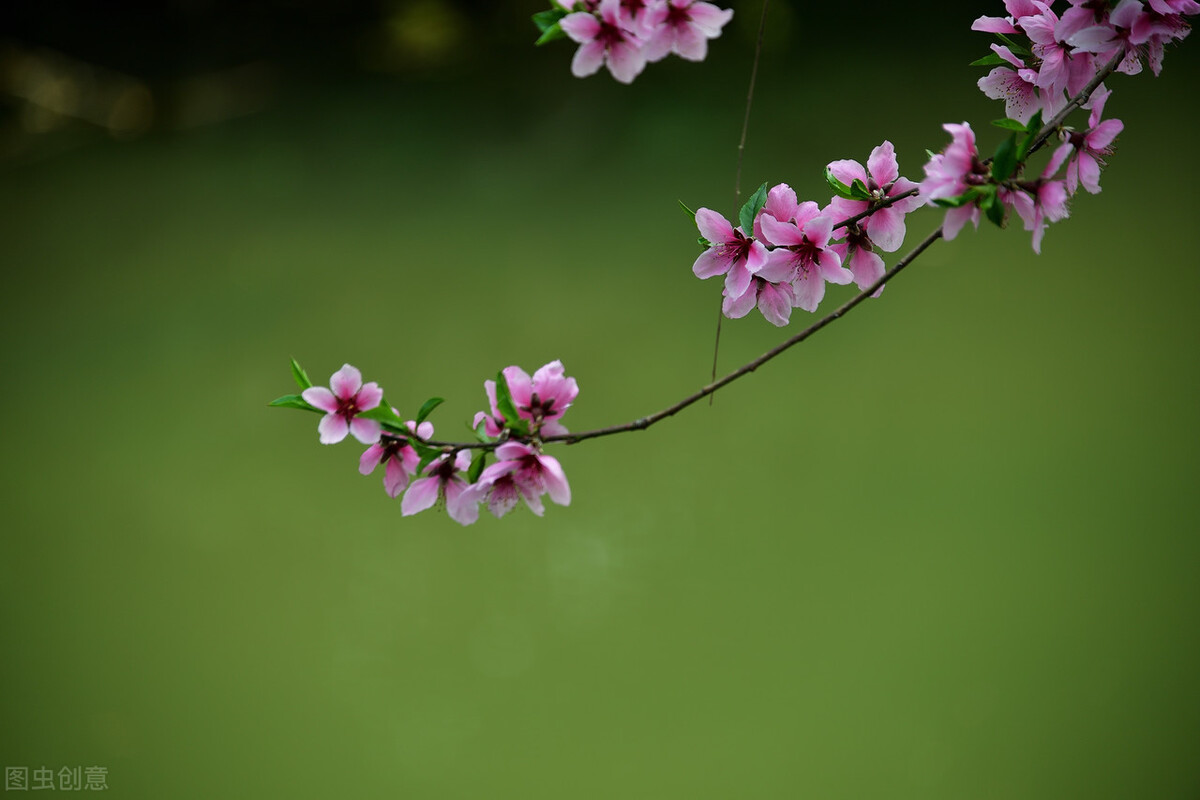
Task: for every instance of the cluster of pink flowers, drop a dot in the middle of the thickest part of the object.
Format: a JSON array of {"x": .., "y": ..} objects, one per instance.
[
  {"x": 426, "y": 473},
  {"x": 1036, "y": 82},
  {"x": 792, "y": 248},
  {"x": 625, "y": 35}
]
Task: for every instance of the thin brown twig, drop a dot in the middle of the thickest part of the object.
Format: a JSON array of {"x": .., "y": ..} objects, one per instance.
[{"x": 645, "y": 422}]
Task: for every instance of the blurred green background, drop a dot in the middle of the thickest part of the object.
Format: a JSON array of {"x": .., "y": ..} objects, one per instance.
[{"x": 946, "y": 549}]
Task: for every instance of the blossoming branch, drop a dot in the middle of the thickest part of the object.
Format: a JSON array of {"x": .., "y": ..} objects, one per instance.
[{"x": 782, "y": 250}]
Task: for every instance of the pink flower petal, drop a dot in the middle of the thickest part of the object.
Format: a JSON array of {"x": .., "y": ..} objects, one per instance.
[
  {"x": 809, "y": 289},
  {"x": 321, "y": 398},
  {"x": 422, "y": 494},
  {"x": 588, "y": 58},
  {"x": 365, "y": 430},
  {"x": 370, "y": 459},
  {"x": 555, "y": 480},
  {"x": 713, "y": 226},
  {"x": 333, "y": 428},
  {"x": 581, "y": 27},
  {"x": 775, "y": 303},
  {"x": 346, "y": 382},
  {"x": 883, "y": 165}
]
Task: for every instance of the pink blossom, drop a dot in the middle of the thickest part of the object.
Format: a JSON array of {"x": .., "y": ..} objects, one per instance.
[
  {"x": 802, "y": 246},
  {"x": 1110, "y": 36},
  {"x": 1061, "y": 71},
  {"x": 342, "y": 403},
  {"x": 1018, "y": 87},
  {"x": 1091, "y": 146},
  {"x": 541, "y": 400},
  {"x": 1049, "y": 199},
  {"x": 858, "y": 255},
  {"x": 398, "y": 455},
  {"x": 731, "y": 253},
  {"x": 604, "y": 39},
  {"x": 522, "y": 472},
  {"x": 544, "y": 398},
  {"x": 885, "y": 226},
  {"x": 443, "y": 480},
  {"x": 683, "y": 27},
  {"x": 951, "y": 173}
]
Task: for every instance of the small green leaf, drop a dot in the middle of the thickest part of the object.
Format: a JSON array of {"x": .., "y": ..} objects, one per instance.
[
  {"x": 991, "y": 60},
  {"x": 751, "y": 208},
  {"x": 293, "y": 401},
  {"x": 479, "y": 432},
  {"x": 477, "y": 465},
  {"x": 428, "y": 408},
  {"x": 551, "y": 34},
  {"x": 969, "y": 196},
  {"x": 691, "y": 214},
  {"x": 1009, "y": 125},
  {"x": 859, "y": 191},
  {"x": 504, "y": 401},
  {"x": 705, "y": 243},
  {"x": 1032, "y": 129},
  {"x": 549, "y": 18},
  {"x": 300, "y": 376},
  {"x": 381, "y": 413},
  {"x": 994, "y": 209},
  {"x": 1004, "y": 160}
]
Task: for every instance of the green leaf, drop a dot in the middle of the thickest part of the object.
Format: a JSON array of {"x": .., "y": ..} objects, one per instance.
[
  {"x": 1009, "y": 125},
  {"x": 428, "y": 408},
  {"x": 294, "y": 401},
  {"x": 300, "y": 376},
  {"x": 382, "y": 413},
  {"x": 859, "y": 191},
  {"x": 549, "y": 18},
  {"x": 929, "y": 153},
  {"x": 477, "y": 464},
  {"x": 751, "y": 208},
  {"x": 504, "y": 401},
  {"x": 991, "y": 60},
  {"x": 994, "y": 209},
  {"x": 479, "y": 432},
  {"x": 691, "y": 214},
  {"x": 705, "y": 243},
  {"x": 1035, "y": 125},
  {"x": 969, "y": 196},
  {"x": 551, "y": 34},
  {"x": 1004, "y": 160}
]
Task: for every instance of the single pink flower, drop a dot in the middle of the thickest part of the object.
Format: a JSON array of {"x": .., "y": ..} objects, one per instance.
[
  {"x": 443, "y": 480},
  {"x": 951, "y": 173},
  {"x": 544, "y": 398},
  {"x": 604, "y": 40},
  {"x": 802, "y": 246},
  {"x": 858, "y": 255},
  {"x": 1019, "y": 88},
  {"x": 398, "y": 456},
  {"x": 1112, "y": 35},
  {"x": 1091, "y": 146},
  {"x": 884, "y": 226},
  {"x": 683, "y": 27},
  {"x": 1045, "y": 199},
  {"x": 342, "y": 402},
  {"x": 522, "y": 472},
  {"x": 731, "y": 252}
]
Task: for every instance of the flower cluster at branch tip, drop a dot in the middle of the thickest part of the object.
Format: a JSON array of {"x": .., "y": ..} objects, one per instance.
[
  {"x": 784, "y": 252},
  {"x": 524, "y": 411},
  {"x": 625, "y": 35}
]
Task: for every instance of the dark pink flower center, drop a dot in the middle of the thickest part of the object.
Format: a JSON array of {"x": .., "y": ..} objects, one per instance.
[{"x": 348, "y": 406}]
